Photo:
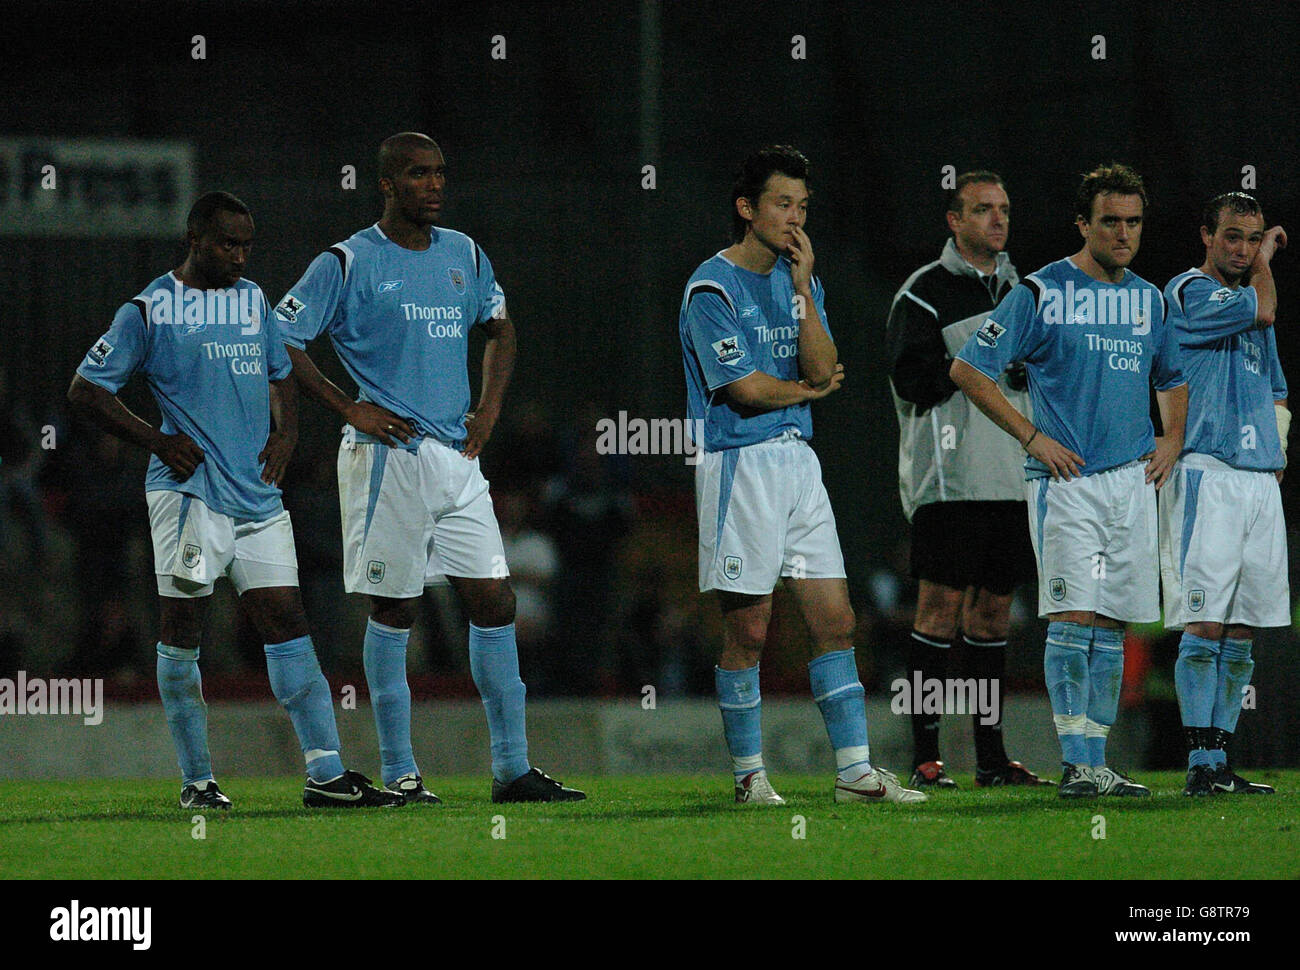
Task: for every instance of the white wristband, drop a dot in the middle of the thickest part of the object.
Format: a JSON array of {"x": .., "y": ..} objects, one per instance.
[{"x": 1283, "y": 426}]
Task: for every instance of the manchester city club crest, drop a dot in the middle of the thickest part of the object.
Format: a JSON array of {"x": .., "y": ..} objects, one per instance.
[
  {"x": 1196, "y": 600},
  {"x": 457, "y": 279},
  {"x": 1056, "y": 589},
  {"x": 375, "y": 571},
  {"x": 191, "y": 555},
  {"x": 731, "y": 567}
]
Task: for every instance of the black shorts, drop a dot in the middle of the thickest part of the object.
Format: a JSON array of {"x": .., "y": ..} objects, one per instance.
[{"x": 981, "y": 544}]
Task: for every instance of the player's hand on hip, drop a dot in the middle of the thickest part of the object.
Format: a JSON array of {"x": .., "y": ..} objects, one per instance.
[
  {"x": 276, "y": 454},
  {"x": 1162, "y": 460},
  {"x": 1061, "y": 462},
  {"x": 829, "y": 387},
  {"x": 179, "y": 453},
  {"x": 478, "y": 429},
  {"x": 801, "y": 259},
  {"x": 379, "y": 423}
]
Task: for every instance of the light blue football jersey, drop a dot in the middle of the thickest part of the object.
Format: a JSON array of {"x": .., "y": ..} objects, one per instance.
[
  {"x": 1233, "y": 371},
  {"x": 1091, "y": 350},
  {"x": 399, "y": 320},
  {"x": 734, "y": 322},
  {"x": 207, "y": 356}
]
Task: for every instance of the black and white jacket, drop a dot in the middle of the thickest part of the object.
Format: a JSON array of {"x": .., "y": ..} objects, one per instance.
[{"x": 948, "y": 451}]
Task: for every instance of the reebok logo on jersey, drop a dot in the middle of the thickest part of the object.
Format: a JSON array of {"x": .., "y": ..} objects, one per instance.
[
  {"x": 728, "y": 350},
  {"x": 387, "y": 286},
  {"x": 988, "y": 334},
  {"x": 749, "y": 311},
  {"x": 99, "y": 353},
  {"x": 290, "y": 307},
  {"x": 1224, "y": 294}
]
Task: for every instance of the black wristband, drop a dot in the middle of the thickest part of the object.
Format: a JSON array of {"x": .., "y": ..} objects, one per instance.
[{"x": 1031, "y": 440}]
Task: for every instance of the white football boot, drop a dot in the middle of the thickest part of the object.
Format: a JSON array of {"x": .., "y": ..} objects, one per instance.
[
  {"x": 1111, "y": 782},
  {"x": 877, "y": 785},
  {"x": 755, "y": 789}
]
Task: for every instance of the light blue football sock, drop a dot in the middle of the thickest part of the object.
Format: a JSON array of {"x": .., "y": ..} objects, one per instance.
[
  {"x": 1195, "y": 680},
  {"x": 298, "y": 684},
  {"x": 494, "y": 664},
  {"x": 181, "y": 690},
  {"x": 742, "y": 717},
  {"x": 1105, "y": 681},
  {"x": 384, "y": 656},
  {"x": 1065, "y": 668},
  {"x": 1235, "y": 668},
  {"x": 839, "y": 695}
]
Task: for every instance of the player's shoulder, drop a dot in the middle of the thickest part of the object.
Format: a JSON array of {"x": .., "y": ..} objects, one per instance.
[
  {"x": 1192, "y": 283},
  {"x": 456, "y": 245},
  {"x": 716, "y": 275}
]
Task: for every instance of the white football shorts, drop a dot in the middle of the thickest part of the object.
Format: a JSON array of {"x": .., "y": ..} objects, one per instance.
[
  {"x": 764, "y": 513},
  {"x": 1223, "y": 546},
  {"x": 1095, "y": 541},
  {"x": 193, "y": 545},
  {"x": 412, "y": 518}
]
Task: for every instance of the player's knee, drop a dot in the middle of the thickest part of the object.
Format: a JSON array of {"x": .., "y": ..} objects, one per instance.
[
  {"x": 836, "y": 631},
  {"x": 1206, "y": 631},
  {"x": 398, "y": 614},
  {"x": 496, "y": 607},
  {"x": 748, "y": 634},
  {"x": 937, "y": 616},
  {"x": 987, "y": 619}
]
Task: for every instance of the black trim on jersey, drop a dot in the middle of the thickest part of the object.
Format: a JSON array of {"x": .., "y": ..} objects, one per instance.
[
  {"x": 1039, "y": 289},
  {"x": 699, "y": 288},
  {"x": 343, "y": 261},
  {"x": 477, "y": 251},
  {"x": 1178, "y": 295},
  {"x": 144, "y": 310}
]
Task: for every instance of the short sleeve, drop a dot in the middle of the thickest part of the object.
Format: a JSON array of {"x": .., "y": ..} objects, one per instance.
[
  {"x": 491, "y": 298},
  {"x": 311, "y": 304},
  {"x": 714, "y": 330},
  {"x": 1211, "y": 312},
  {"x": 120, "y": 352},
  {"x": 278, "y": 365},
  {"x": 1010, "y": 333},
  {"x": 1167, "y": 371}
]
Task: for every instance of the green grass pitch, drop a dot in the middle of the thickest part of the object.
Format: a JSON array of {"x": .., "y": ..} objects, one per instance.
[{"x": 649, "y": 827}]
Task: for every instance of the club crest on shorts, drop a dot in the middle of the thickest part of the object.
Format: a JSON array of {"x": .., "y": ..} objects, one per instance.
[
  {"x": 457, "y": 279},
  {"x": 1056, "y": 589},
  {"x": 731, "y": 567},
  {"x": 1196, "y": 600},
  {"x": 375, "y": 571},
  {"x": 988, "y": 334},
  {"x": 191, "y": 555}
]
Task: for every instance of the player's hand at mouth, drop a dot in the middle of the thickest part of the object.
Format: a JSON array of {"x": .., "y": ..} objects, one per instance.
[
  {"x": 379, "y": 423},
  {"x": 478, "y": 429},
  {"x": 801, "y": 259},
  {"x": 276, "y": 454},
  {"x": 1163, "y": 459},
  {"x": 179, "y": 453},
  {"x": 1060, "y": 460}
]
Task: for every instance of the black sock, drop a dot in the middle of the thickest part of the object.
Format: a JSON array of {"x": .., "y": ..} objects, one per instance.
[
  {"x": 987, "y": 663},
  {"x": 1218, "y": 738},
  {"x": 927, "y": 656}
]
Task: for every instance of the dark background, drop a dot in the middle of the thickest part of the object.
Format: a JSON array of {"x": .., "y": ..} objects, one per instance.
[{"x": 545, "y": 150}]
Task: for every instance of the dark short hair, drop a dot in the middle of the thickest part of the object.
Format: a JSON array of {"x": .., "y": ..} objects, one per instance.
[
  {"x": 754, "y": 173},
  {"x": 1238, "y": 202},
  {"x": 978, "y": 177},
  {"x": 208, "y": 205},
  {"x": 396, "y": 150},
  {"x": 1113, "y": 179}
]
